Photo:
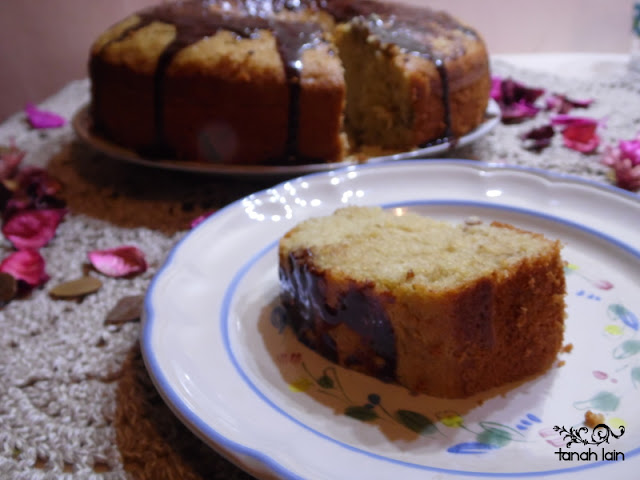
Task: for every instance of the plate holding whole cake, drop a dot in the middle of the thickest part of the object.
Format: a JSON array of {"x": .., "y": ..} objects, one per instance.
[{"x": 271, "y": 82}]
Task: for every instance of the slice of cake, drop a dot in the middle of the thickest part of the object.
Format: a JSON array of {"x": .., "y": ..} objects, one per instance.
[{"x": 446, "y": 310}]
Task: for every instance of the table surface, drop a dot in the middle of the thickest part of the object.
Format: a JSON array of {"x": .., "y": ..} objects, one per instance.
[{"x": 75, "y": 398}]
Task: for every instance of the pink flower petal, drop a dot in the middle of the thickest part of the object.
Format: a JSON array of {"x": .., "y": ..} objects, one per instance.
[
  {"x": 119, "y": 262},
  {"x": 198, "y": 220},
  {"x": 580, "y": 133},
  {"x": 496, "y": 88},
  {"x": 624, "y": 160},
  {"x": 538, "y": 138},
  {"x": 518, "y": 112},
  {"x": 627, "y": 176},
  {"x": 564, "y": 104},
  {"x": 39, "y": 181},
  {"x": 26, "y": 265},
  {"x": 582, "y": 138},
  {"x": 564, "y": 119},
  {"x": 513, "y": 91},
  {"x": 32, "y": 229},
  {"x": 515, "y": 99},
  {"x": 42, "y": 118},
  {"x": 630, "y": 149}
]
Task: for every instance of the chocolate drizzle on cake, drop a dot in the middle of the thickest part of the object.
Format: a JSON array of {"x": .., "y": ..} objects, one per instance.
[
  {"x": 194, "y": 21},
  {"x": 358, "y": 309}
]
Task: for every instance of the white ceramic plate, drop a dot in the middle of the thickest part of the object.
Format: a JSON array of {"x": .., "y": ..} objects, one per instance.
[
  {"x": 215, "y": 346},
  {"x": 83, "y": 127}
]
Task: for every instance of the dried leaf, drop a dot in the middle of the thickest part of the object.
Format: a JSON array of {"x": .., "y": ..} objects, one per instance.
[
  {"x": 128, "y": 309},
  {"x": 76, "y": 288},
  {"x": 8, "y": 287}
]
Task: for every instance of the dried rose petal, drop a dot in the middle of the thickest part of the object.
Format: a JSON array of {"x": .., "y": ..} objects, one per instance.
[
  {"x": 564, "y": 104},
  {"x": 496, "y": 88},
  {"x": 10, "y": 158},
  {"x": 630, "y": 149},
  {"x": 38, "y": 182},
  {"x": 513, "y": 91},
  {"x": 26, "y": 265},
  {"x": 32, "y": 229},
  {"x": 119, "y": 262},
  {"x": 518, "y": 112},
  {"x": 43, "y": 118},
  {"x": 538, "y": 138},
  {"x": 34, "y": 189},
  {"x": 516, "y": 100},
  {"x": 198, "y": 220},
  {"x": 624, "y": 160},
  {"x": 579, "y": 133},
  {"x": 627, "y": 176}
]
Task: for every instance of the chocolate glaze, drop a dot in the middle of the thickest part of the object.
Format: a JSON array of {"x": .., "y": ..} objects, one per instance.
[
  {"x": 304, "y": 295},
  {"x": 410, "y": 28}
]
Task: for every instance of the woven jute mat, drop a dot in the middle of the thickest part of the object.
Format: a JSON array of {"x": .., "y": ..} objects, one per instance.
[{"x": 152, "y": 441}]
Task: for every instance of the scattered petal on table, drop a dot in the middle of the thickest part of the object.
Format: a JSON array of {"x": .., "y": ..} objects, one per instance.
[
  {"x": 198, "y": 220},
  {"x": 579, "y": 133},
  {"x": 516, "y": 100},
  {"x": 26, "y": 265},
  {"x": 39, "y": 181},
  {"x": 563, "y": 104},
  {"x": 119, "y": 262},
  {"x": 32, "y": 229},
  {"x": 42, "y": 118},
  {"x": 518, "y": 112},
  {"x": 538, "y": 138},
  {"x": 624, "y": 160}
]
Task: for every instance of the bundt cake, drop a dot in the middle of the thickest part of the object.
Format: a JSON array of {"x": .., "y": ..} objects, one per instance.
[
  {"x": 285, "y": 81},
  {"x": 442, "y": 309}
]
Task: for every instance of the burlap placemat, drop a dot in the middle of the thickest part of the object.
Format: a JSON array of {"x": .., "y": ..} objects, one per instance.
[{"x": 75, "y": 398}]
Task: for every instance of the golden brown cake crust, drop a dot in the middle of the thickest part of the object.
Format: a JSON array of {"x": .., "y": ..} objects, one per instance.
[
  {"x": 484, "y": 328},
  {"x": 262, "y": 81}
]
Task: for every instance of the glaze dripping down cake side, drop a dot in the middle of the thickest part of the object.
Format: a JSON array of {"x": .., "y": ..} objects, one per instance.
[
  {"x": 274, "y": 82},
  {"x": 446, "y": 310}
]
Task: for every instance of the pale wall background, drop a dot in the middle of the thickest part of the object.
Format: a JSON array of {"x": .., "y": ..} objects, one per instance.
[{"x": 44, "y": 43}]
